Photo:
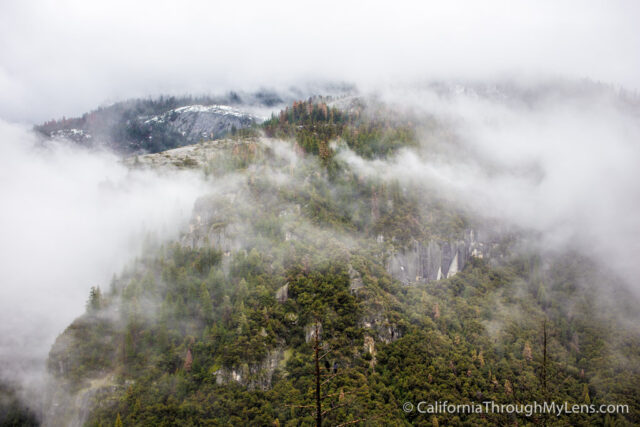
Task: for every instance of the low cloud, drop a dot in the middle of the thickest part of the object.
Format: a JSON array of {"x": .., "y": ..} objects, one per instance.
[
  {"x": 564, "y": 165},
  {"x": 70, "y": 219},
  {"x": 66, "y": 57}
]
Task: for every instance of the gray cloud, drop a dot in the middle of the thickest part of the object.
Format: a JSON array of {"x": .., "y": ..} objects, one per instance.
[
  {"x": 65, "y": 57},
  {"x": 564, "y": 165},
  {"x": 561, "y": 165},
  {"x": 70, "y": 219}
]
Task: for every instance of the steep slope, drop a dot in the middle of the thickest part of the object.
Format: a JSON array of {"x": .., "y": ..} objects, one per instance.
[
  {"x": 202, "y": 122},
  {"x": 293, "y": 254}
]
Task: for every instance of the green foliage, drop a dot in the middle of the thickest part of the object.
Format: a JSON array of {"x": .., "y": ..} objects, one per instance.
[
  {"x": 13, "y": 412},
  {"x": 95, "y": 299},
  {"x": 196, "y": 335},
  {"x": 471, "y": 350},
  {"x": 314, "y": 125}
]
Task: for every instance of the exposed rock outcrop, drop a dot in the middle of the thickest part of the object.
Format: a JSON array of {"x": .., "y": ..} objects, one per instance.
[
  {"x": 254, "y": 376},
  {"x": 310, "y": 332},
  {"x": 434, "y": 260},
  {"x": 370, "y": 348},
  {"x": 381, "y": 328},
  {"x": 196, "y": 122},
  {"x": 355, "y": 280},
  {"x": 62, "y": 407},
  {"x": 282, "y": 294},
  {"x": 210, "y": 226}
]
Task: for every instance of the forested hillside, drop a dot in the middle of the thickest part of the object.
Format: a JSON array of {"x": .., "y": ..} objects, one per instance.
[{"x": 281, "y": 306}]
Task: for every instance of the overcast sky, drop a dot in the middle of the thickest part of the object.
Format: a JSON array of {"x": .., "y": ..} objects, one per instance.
[{"x": 65, "y": 57}]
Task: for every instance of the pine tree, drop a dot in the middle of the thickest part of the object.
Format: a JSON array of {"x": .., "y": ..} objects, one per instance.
[
  {"x": 542, "y": 295},
  {"x": 206, "y": 305},
  {"x": 118, "y": 421},
  {"x": 508, "y": 390},
  {"x": 113, "y": 285},
  {"x": 585, "y": 395},
  {"x": 543, "y": 370},
  {"x": 324, "y": 372},
  {"x": 527, "y": 354},
  {"x": 95, "y": 299},
  {"x": 188, "y": 361},
  {"x": 242, "y": 290},
  {"x": 608, "y": 422},
  {"x": 318, "y": 397},
  {"x": 129, "y": 347}
]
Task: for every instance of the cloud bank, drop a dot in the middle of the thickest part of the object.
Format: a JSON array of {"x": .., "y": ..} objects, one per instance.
[
  {"x": 564, "y": 165},
  {"x": 65, "y": 57},
  {"x": 70, "y": 219}
]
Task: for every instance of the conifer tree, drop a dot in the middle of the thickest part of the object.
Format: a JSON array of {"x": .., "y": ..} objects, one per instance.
[
  {"x": 206, "y": 305},
  {"x": 95, "y": 299},
  {"x": 188, "y": 361},
  {"x": 585, "y": 395},
  {"x": 527, "y": 354}
]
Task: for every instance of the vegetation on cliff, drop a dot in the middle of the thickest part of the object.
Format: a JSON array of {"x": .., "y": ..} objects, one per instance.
[{"x": 287, "y": 258}]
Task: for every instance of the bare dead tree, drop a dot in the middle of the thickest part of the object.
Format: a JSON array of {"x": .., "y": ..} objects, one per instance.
[
  {"x": 316, "y": 351},
  {"x": 543, "y": 370},
  {"x": 322, "y": 379}
]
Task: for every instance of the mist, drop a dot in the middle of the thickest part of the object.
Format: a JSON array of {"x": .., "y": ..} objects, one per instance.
[
  {"x": 66, "y": 57},
  {"x": 71, "y": 218},
  {"x": 518, "y": 129},
  {"x": 561, "y": 163}
]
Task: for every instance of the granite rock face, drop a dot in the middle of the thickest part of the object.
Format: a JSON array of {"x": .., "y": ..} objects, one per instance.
[
  {"x": 282, "y": 294},
  {"x": 213, "y": 224},
  {"x": 254, "y": 376},
  {"x": 424, "y": 262},
  {"x": 202, "y": 122},
  {"x": 355, "y": 280}
]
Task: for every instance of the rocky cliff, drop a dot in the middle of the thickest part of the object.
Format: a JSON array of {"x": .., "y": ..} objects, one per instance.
[
  {"x": 426, "y": 261},
  {"x": 201, "y": 122},
  {"x": 254, "y": 376}
]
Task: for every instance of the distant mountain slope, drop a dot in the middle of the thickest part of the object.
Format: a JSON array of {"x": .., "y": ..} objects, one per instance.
[{"x": 153, "y": 125}]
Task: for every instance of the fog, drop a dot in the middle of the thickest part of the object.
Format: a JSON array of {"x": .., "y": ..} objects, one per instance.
[
  {"x": 560, "y": 159},
  {"x": 70, "y": 219},
  {"x": 562, "y": 163},
  {"x": 65, "y": 57}
]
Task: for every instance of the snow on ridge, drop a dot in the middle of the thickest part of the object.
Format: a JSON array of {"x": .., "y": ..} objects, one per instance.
[
  {"x": 71, "y": 133},
  {"x": 198, "y": 108}
]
